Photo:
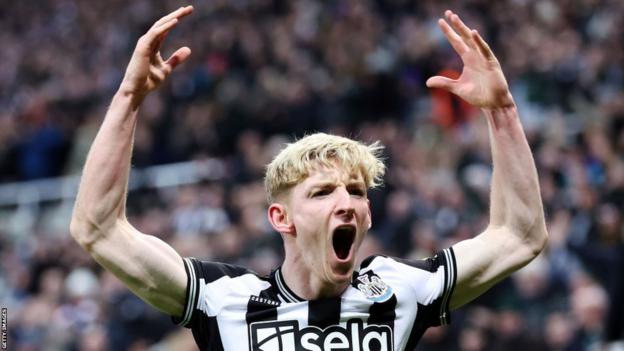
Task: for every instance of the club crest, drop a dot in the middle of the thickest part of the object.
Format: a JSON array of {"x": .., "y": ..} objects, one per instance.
[{"x": 373, "y": 287}]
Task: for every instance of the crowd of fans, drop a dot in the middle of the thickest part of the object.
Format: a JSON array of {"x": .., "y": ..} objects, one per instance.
[{"x": 264, "y": 72}]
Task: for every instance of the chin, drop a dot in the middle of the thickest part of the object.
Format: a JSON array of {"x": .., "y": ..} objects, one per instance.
[{"x": 342, "y": 278}]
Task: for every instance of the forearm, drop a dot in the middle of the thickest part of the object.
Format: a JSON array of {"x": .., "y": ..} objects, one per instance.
[
  {"x": 515, "y": 196},
  {"x": 102, "y": 194}
]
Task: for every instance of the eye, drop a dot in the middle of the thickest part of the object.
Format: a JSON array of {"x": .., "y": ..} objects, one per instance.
[
  {"x": 321, "y": 192},
  {"x": 357, "y": 191}
]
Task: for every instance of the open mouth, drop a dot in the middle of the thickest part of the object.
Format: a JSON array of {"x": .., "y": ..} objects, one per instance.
[{"x": 342, "y": 240}]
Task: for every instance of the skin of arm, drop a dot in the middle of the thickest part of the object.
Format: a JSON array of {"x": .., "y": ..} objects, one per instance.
[
  {"x": 146, "y": 264},
  {"x": 516, "y": 233}
]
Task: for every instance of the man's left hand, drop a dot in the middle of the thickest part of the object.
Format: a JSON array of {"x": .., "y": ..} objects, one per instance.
[{"x": 482, "y": 82}]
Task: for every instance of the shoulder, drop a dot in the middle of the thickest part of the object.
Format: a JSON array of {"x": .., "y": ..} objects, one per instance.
[
  {"x": 211, "y": 271},
  {"x": 430, "y": 264},
  {"x": 428, "y": 279}
]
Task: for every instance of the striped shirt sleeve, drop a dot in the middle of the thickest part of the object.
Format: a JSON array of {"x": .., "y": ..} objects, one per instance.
[
  {"x": 198, "y": 273},
  {"x": 436, "y": 286},
  {"x": 191, "y": 294}
]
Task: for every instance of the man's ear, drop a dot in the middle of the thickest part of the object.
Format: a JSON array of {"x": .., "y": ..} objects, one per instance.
[{"x": 278, "y": 217}]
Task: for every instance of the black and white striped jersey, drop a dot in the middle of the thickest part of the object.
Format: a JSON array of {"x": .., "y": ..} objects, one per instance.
[{"x": 388, "y": 306}]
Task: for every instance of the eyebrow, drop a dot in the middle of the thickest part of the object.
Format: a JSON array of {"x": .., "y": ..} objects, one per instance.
[{"x": 323, "y": 184}]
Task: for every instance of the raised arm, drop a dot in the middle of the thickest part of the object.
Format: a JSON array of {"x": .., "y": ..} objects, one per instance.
[
  {"x": 147, "y": 265},
  {"x": 517, "y": 231}
]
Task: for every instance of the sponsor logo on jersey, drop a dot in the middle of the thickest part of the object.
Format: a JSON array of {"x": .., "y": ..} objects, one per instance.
[
  {"x": 286, "y": 336},
  {"x": 373, "y": 287}
]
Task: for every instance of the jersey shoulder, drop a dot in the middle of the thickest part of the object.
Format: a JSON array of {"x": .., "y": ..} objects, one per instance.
[
  {"x": 210, "y": 271},
  {"x": 429, "y": 264}
]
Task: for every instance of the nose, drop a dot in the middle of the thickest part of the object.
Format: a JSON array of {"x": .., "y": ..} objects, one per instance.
[{"x": 344, "y": 204}]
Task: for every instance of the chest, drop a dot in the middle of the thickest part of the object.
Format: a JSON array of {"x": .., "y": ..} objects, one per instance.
[{"x": 368, "y": 316}]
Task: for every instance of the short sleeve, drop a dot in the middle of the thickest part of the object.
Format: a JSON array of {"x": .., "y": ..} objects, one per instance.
[
  {"x": 199, "y": 273},
  {"x": 434, "y": 281},
  {"x": 430, "y": 280}
]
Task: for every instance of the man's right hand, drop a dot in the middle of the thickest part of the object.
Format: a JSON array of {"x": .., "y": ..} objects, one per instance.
[
  {"x": 148, "y": 266},
  {"x": 147, "y": 69}
]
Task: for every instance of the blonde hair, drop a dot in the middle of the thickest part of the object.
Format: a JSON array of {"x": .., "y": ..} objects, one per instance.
[{"x": 297, "y": 160}]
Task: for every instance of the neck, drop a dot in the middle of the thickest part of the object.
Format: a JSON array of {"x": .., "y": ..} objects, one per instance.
[{"x": 307, "y": 285}]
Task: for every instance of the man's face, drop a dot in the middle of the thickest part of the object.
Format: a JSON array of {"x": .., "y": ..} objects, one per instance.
[{"x": 331, "y": 213}]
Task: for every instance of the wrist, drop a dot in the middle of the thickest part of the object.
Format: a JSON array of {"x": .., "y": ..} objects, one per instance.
[
  {"x": 132, "y": 97},
  {"x": 502, "y": 117},
  {"x": 501, "y": 101},
  {"x": 499, "y": 109}
]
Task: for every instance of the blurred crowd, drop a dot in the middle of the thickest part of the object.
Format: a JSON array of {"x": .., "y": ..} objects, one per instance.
[{"x": 263, "y": 72}]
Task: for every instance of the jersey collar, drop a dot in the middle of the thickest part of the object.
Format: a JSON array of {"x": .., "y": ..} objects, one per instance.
[{"x": 283, "y": 291}]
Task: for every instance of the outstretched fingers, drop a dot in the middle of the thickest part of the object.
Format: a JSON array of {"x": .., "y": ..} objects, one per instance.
[
  {"x": 147, "y": 69},
  {"x": 454, "y": 39},
  {"x": 482, "y": 46},
  {"x": 462, "y": 38},
  {"x": 157, "y": 33},
  {"x": 179, "y": 13},
  {"x": 460, "y": 28}
]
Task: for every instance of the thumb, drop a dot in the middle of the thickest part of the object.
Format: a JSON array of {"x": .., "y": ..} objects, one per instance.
[
  {"x": 441, "y": 83},
  {"x": 178, "y": 57}
]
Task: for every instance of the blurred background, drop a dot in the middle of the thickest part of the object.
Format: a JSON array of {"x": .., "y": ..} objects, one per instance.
[{"x": 264, "y": 72}]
